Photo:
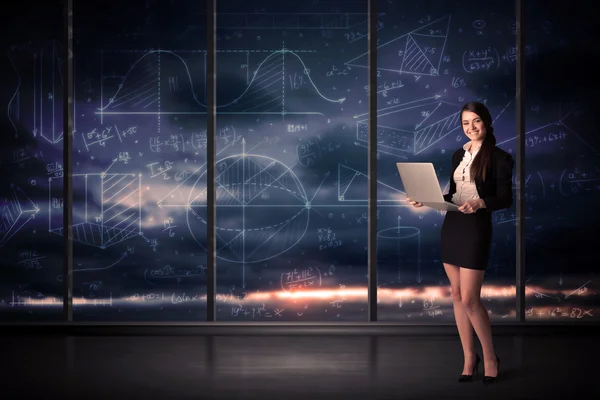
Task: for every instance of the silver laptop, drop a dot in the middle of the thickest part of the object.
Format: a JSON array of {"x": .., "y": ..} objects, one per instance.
[{"x": 421, "y": 185}]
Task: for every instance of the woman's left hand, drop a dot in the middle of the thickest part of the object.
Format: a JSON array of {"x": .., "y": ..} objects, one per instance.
[{"x": 471, "y": 206}]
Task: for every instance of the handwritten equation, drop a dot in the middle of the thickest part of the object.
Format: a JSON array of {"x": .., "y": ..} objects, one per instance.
[
  {"x": 311, "y": 151},
  {"x": 478, "y": 60},
  {"x": 173, "y": 272},
  {"x": 537, "y": 140},
  {"x": 193, "y": 141},
  {"x": 298, "y": 279},
  {"x": 100, "y": 136},
  {"x": 30, "y": 259},
  {"x": 327, "y": 239},
  {"x": 578, "y": 181},
  {"x": 559, "y": 312}
]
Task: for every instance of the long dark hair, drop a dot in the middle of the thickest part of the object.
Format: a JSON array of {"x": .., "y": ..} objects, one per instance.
[{"x": 484, "y": 156}]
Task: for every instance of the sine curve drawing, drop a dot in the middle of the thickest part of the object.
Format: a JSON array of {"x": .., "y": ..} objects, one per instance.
[
  {"x": 136, "y": 64},
  {"x": 143, "y": 87},
  {"x": 283, "y": 52}
]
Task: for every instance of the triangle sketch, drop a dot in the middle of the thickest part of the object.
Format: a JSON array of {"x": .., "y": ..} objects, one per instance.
[
  {"x": 353, "y": 186},
  {"x": 417, "y": 52}
]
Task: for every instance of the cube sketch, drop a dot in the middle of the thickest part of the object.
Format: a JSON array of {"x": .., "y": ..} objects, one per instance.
[{"x": 412, "y": 127}]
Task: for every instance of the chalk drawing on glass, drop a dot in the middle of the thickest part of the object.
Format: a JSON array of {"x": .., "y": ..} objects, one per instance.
[
  {"x": 352, "y": 184},
  {"x": 248, "y": 187},
  {"x": 411, "y": 127},
  {"x": 51, "y": 87},
  {"x": 17, "y": 210},
  {"x": 566, "y": 125},
  {"x": 418, "y": 52},
  {"x": 104, "y": 222},
  {"x": 401, "y": 248},
  {"x": 42, "y": 102},
  {"x": 160, "y": 80}
]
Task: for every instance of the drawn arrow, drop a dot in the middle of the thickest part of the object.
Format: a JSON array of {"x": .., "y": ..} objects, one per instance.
[{"x": 570, "y": 294}]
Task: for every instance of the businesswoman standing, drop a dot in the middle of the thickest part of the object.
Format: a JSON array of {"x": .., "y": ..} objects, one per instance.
[{"x": 480, "y": 182}]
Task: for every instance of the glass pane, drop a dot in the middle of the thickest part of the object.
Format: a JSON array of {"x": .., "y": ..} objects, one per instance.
[
  {"x": 31, "y": 154},
  {"x": 139, "y": 144},
  {"x": 562, "y": 165},
  {"x": 433, "y": 57},
  {"x": 291, "y": 175}
]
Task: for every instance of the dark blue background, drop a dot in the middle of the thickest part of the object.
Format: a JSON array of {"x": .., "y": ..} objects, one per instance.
[{"x": 292, "y": 159}]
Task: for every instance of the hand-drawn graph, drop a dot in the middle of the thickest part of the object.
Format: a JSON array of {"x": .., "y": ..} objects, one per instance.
[
  {"x": 160, "y": 83},
  {"x": 352, "y": 184},
  {"x": 413, "y": 126},
  {"x": 266, "y": 92},
  {"x": 157, "y": 82},
  {"x": 417, "y": 52},
  {"x": 17, "y": 211},
  {"x": 113, "y": 219},
  {"x": 248, "y": 186}
]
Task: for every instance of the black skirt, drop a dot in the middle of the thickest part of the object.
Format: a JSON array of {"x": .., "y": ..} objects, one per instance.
[{"x": 467, "y": 239}]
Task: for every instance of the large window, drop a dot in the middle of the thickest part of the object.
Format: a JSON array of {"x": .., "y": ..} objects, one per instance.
[
  {"x": 31, "y": 68},
  {"x": 139, "y": 142},
  {"x": 562, "y": 161},
  {"x": 433, "y": 57},
  {"x": 291, "y": 178}
]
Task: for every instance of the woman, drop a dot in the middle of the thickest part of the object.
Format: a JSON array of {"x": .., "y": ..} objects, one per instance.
[{"x": 480, "y": 182}]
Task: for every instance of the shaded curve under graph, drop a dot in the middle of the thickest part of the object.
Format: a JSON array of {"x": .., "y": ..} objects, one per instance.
[{"x": 160, "y": 82}]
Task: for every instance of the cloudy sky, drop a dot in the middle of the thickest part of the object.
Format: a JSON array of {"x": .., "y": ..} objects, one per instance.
[{"x": 292, "y": 158}]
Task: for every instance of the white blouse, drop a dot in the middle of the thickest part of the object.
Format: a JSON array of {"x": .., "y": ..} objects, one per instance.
[{"x": 465, "y": 189}]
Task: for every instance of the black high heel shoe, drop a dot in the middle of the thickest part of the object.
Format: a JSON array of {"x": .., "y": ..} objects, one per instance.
[
  {"x": 492, "y": 379},
  {"x": 469, "y": 378}
]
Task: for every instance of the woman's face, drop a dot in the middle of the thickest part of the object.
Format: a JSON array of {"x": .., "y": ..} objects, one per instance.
[{"x": 473, "y": 126}]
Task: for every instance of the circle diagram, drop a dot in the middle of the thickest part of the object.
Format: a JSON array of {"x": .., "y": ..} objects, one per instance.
[{"x": 261, "y": 208}]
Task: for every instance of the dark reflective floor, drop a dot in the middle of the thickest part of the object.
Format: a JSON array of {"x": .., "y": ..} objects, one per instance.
[{"x": 292, "y": 367}]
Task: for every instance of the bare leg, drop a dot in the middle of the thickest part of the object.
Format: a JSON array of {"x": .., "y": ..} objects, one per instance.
[
  {"x": 465, "y": 330},
  {"x": 470, "y": 286}
]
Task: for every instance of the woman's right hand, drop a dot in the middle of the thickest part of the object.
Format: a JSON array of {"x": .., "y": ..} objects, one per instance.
[{"x": 414, "y": 203}]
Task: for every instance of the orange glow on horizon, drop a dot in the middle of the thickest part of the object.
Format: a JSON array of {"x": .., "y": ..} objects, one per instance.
[{"x": 350, "y": 295}]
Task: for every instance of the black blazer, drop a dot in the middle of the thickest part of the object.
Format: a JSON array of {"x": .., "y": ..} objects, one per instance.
[{"x": 496, "y": 191}]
